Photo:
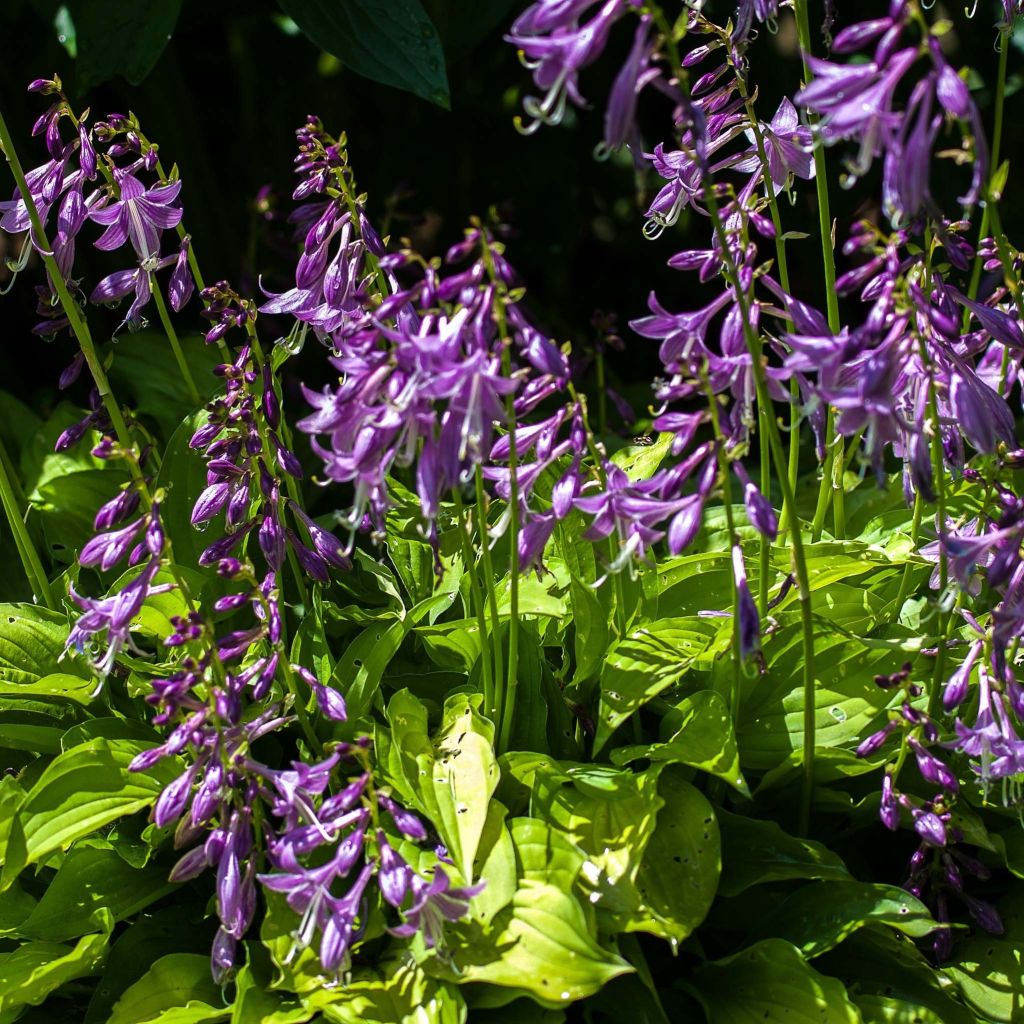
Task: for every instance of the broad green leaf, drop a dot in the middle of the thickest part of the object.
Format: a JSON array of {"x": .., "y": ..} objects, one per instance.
[
  {"x": 18, "y": 423},
  {"x": 40, "y": 463},
  {"x": 756, "y": 851},
  {"x": 989, "y": 972},
  {"x": 297, "y": 970},
  {"x": 32, "y": 641},
  {"x": 34, "y": 970},
  {"x": 67, "y": 507},
  {"x": 610, "y": 815},
  {"x": 91, "y": 880},
  {"x": 30, "y": 730},
  {"x": 15, "y": 906},
  {"x": 182, "y": 928},
  {"x": 647, "y": 661},
  {"x": 642, "y": 461},
  {"x": 881, "y": 1009},
  {"x": 846, "y": 699},
  {"x": 817, "y": 917},
  {"x": 401, "y": 993},
  {"x": 122, "y": 39},
  {"x": 771, "y": 981},
  {"x": 58, "y": 686},
  {"x": 694, "y": 583},
  {"x": 887, "y": 965},
  {"x": 452, "y": 645},
  {"x": 545, "y": 854},
  {"x": 700, "y": 735},
  {"x": 678, "y": 875},
  {"x": 540, "y": 943},
  {"x": 310, "y": 647},
  {"x": 177, "y": 981},
  {"x": 12, "y": 833},
  {"x": 453, "y": 779},
  {"x": 84, "y": 789},
  {"x": 255, "y": 1004},
  {"x": 358, "y": 671},
  {"x": 390, "y": 41},
  {"x": 495, "y": 865}
]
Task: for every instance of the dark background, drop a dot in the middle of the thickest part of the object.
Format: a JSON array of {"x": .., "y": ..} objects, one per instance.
[{"x": 232, "y": 85}]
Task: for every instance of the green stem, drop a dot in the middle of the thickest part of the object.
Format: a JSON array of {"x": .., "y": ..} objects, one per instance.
[
  {"x": 829, "y": 263},
  {"x": 478, "y": 601},
  {"x": 485, "y": 548},
  {"x": 26, "y": 549},
  {"x": 724, "y": 474},
  {"x": 997, "y": 138},
  {"x": 172, "y": 337},
  {"x": 512, "y": 678}
]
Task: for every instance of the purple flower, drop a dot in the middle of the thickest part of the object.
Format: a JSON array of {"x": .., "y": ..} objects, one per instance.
[
  {"x": 111, "y": 617},
  {"x": 434, "y": 903},
  {"x": 788, "y": 146},
  {"x": 748, "y": 623},
  {"x": 138, "y": 216}
]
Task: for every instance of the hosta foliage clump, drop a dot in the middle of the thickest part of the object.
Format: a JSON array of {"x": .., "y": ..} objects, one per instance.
[{"x": 355, "y": 668}]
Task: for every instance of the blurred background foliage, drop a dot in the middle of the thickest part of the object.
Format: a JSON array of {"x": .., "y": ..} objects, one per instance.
[{"x": 222, "y": 84}]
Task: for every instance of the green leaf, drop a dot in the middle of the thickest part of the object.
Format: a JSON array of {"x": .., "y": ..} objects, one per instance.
[
  {"x": 678, "y": 876},
  {"x": 846, "y": 699},
  {"x": 115, "y": 38},
  {"x": 254, "y": 1004},
  {"x": 32, "y": 641},
  {"x": 401, "y": 993},
  {"x": 642, "y": 461},
  {"x": 178, "y": 981},
  {"x": 701, "y": 736},
  {"x": 771, "y": 981},
  {"x": 645, "y": 662},
  {"x": 540, "y": 943},
  {"x": 390, "y": 41},
  {"x": 358, "y": 671},
  {"x": 178, "y": 929},
  {"x": 545, "y": 854},
  {"x": 34, "y": 970},
  {"x": 756, "y": 851},
  {"x": 887, "y": 965},
  {"x": 67, "y": 507},
  {"x": 495, "y": 865},
  {"x": 452, "y": 780},
  {"x": 610, "y": 815},
  {"x": 817, "y": 917},
  {"x": 887, "y": 1010},
  {"x": 990, "y": 974},
  {"x": 84, "y": 789},
  {"x": 90, "y": 880}
]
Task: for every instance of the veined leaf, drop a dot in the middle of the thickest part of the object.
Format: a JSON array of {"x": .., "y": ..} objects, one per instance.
[
  {"x": 540, "y": 943},
  {"x": 771, "y": 981},
  {"x": 700, "y": 734},
  {"x": 34, "y": 970},
  {"x": 84, "y": 789},
  {"x": 177, "y": 988}
]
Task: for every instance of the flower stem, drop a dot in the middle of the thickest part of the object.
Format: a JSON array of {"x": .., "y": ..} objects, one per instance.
[
  {"x": 478, "y": 600},
  {"x": 997, "y": 138},
  {"x": 834, "y": 450},
  {"x": 485, "y": 549},
  {"x": 26, "y": 549},
  {"x": 172, "y": 337}
]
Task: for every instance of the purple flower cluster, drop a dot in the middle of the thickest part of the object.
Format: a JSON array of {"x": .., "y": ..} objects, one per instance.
[{"x": 103, "y": 173}]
